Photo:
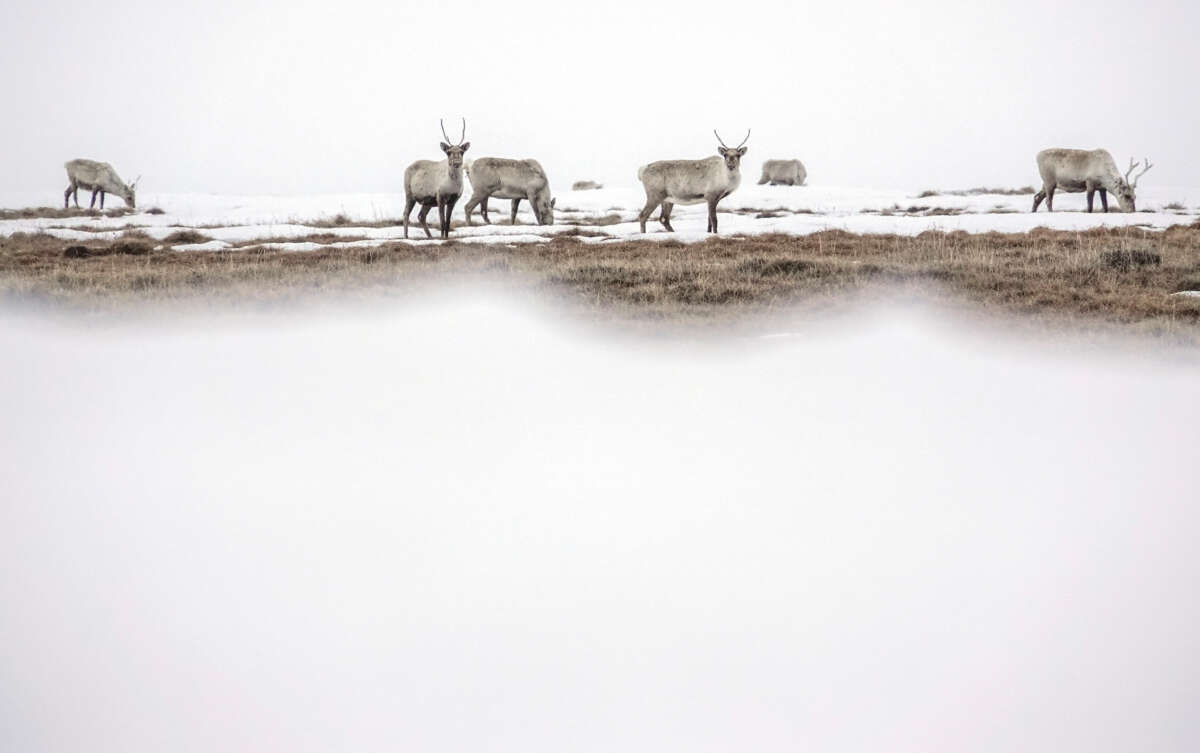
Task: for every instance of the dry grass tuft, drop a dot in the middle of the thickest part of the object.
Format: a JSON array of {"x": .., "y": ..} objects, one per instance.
[
  {"x": 1127, "y": 259},
  {"x": 186, "y": 236},
  {"x": 1024, "y": 190}
]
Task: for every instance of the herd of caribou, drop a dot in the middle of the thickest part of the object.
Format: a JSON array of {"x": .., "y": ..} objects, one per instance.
[{"x": 667, "y": 183}]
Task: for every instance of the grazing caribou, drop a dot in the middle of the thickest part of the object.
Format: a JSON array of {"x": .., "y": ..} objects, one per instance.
[
  {"x": 495, "y": 177},
  {"x": 99, "y": 178},
  {"x": 691, "y": 181},
  {"x": 1076, "y": 170},
  {"x": 783, "y": 172},
  {"x": 436, "y": 184}
]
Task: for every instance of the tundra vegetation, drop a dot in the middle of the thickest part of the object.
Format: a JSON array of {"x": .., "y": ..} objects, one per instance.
[
  {"x": 1099, "y": 280},
  {"x": 980, "y": 191}
]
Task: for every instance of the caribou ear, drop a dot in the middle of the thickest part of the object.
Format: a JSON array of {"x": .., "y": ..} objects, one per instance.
[
  {"x": 445, "y": 147},
  {"x": 742, "y": 150},
  {"x": 466, "y": 145},
  {"x": 721, "y": 150}
]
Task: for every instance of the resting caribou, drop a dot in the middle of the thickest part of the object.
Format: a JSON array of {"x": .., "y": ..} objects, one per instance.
[
  {"x": 691, "y": 181},
  {"x": 783, "y": 172},
  {"x": 1076, "y": 170}
]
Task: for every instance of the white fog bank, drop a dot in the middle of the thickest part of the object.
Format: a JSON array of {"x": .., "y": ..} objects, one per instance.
[{"x": 459, "y": 527}]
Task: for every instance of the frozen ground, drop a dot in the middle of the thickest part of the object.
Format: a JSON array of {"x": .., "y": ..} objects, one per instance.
[
  {"x": 230, "y": 220},
  {"x": 455, "y": 527}
]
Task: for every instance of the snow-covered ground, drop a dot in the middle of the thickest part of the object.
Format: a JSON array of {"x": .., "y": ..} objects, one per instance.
[{"x": 229, "y": 220}]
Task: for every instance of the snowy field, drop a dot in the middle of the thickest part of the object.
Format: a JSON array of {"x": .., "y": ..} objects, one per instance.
[
  {"x": 606, "y": 214},
  {"x": 457, "y": 527}
]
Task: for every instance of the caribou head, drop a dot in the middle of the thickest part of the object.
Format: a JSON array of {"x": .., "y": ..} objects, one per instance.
[
  {"x": 1125, "y": 193},
  {"x": 130, "y": 194},
  {"x": 454, "y": 152},
  {"x": 733, "y": 157}
]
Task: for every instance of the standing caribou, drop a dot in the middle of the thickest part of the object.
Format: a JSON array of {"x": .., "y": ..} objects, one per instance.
[
  {"x": 99, "y": 178},
  {"x": 436, "y": 183},
  {"x": 783, "y": 172},
  {"x": 691, "y": 181},
  {"x": 1076, "y": 170},
  {"x": 509, "y": 179}
]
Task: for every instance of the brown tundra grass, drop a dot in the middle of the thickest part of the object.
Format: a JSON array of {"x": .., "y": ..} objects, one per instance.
[{"x": 1118, "y": 277}]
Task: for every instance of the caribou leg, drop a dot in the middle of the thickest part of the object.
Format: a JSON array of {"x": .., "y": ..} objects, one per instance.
[
  {"x": 409, "y": 203},
  {"x": 67, "y": 197},
  {"x": 421, "y": 215},
  {"x": 451, "y": 200},
  {"x": 712, "y": 214},
  {"x": 470, "y": 207},
  {"x": 1038, "y": 198},
  {"x": 515, "y": 204},
  {"x": 441, "y": 205},
  {"x": 665, "y": 217},
  {"x": 1091, "y": 195},
  {"x": 95, "y": 193},
  {"x": 1104, "y": 199},
  {"x": 1050, "y": 198},
  {"x": 483, "y": 210},
  {"x": 651, "y": 203},
  {"x": 101, "y": 200}
]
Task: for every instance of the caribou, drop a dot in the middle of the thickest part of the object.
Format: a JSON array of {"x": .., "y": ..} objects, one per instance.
[
  {"x": 495, "y": 177},
  {"x": 783, "y": 172},
  {"x": 99, "y": 178},
  {"x": 436, "y": 183},
  {"x": 1076, "y": 170},
  {"x": 688, "y": 181}
]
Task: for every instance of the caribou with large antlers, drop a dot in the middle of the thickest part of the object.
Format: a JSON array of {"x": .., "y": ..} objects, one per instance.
[
  {"x": 436, "y": 183},
  {"x": 691, "y": 181},
  {"x": 99, "y": 178},
  {"x": 1076, "y": 170}
]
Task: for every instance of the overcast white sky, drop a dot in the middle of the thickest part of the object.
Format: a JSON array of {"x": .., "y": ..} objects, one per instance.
[{"x": 304, "y": 96}]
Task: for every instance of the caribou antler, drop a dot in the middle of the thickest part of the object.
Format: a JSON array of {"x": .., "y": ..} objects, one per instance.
[
  {"x": 135, "y": 182},
  {"x": 1145, "y": 170},
  {"x": 461, "y": 139},
  {"x": 739, "y": 146}
]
